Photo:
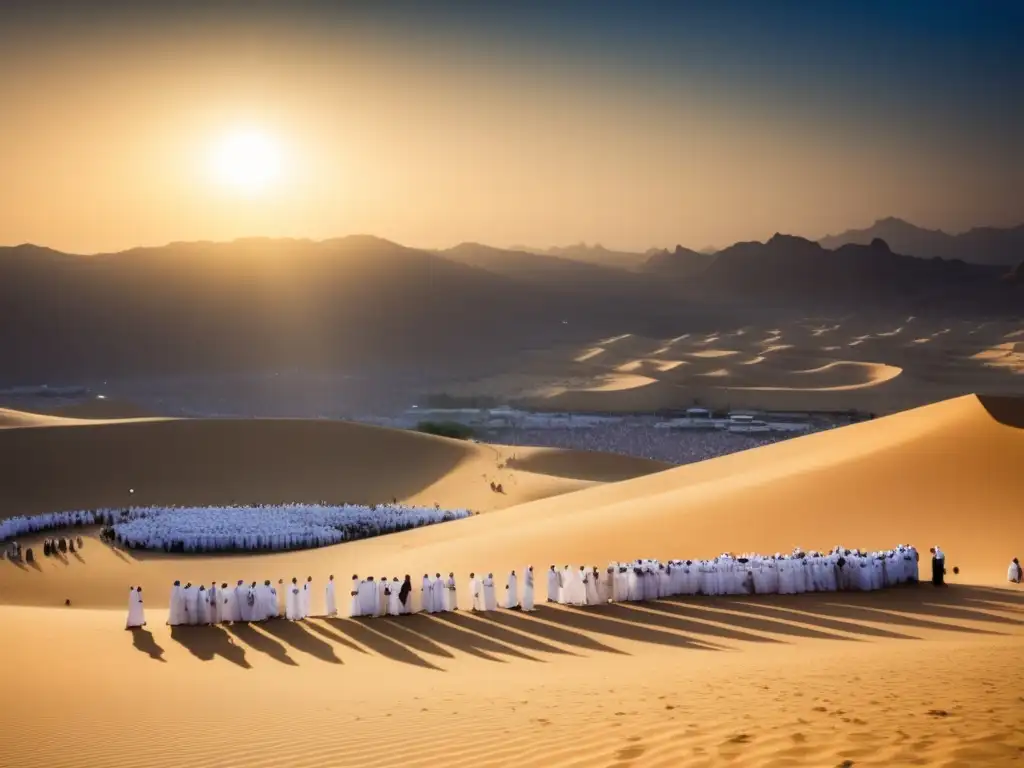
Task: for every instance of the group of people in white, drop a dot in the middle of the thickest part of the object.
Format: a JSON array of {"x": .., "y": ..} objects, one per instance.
[
  {"x": 268, "y": 527},
  {"x": 236, "y": 528},
  {"x": 639, "y": 580}
]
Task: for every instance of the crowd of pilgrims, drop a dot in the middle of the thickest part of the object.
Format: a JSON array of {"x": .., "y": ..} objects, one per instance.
[
  {"x": 640, "y": 580},
  {"x": 236, "y": 528}
]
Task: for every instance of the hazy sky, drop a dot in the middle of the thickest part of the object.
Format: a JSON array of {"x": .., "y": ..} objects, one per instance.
[{"x": 430, "y": 123}]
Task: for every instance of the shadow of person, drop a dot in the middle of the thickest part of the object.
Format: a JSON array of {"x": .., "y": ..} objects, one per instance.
[
  {"x": 297, "y": 636},
  {"x": 208, "y": 642},
  {"x": 592, "y": 620},
  {"x": 654, "y": 615},
  {"x": 78, "y": 557},
  {"x": 144, "y": 641},
  {"x": 738, "y": 611},
  {"x": 415, "y": 641},
  {"x": 450, "y": 629},
  {"x": 334, "y": 637},
  {"x": 552, "y": 632},
  {"x": 361, "y": 632},
  {"x": 261, "y": 643},
  {"x": 503, "y": 634}
]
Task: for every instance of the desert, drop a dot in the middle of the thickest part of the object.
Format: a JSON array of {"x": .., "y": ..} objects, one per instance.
[{"x": 558, "y": 384}]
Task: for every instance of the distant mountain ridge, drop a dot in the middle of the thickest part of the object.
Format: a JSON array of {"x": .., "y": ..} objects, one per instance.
[
  {"x": 981, "y": 245},
  {"x": 260, "y": 303}
]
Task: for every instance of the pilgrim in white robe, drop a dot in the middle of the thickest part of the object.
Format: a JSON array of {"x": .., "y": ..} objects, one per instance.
[
  {"x": 440, "y": 598},
  {"x": 136, "y": 614},
  {"x": 427, "y": 595},
  {"x": 554, "y": 590},
  {"x": 307, "y": 599},
  {"x": 490, "y": 599},
  {"x": 575, "y": 590},
  {"x": 332, "y": 607},
  {"x": 476, "y": 593},
  {"x": 293, "y": 603},
  {"x": 604, "y": 585},
  {"x": 368, "y": 597},
  {"x": 452, "y": 596},
  {"x": 383, "y": 595},
  {"x": 176, "y": 614},
  {"x": 394, "y": 601},
  {"x": 593, "y": 596},
  {"x": 528, "y": 589},
  {"x": 214, "y": 597},
  {"x": 202, "y": 606},
  {"x": 511, "y": 591},
  {"x": 353, "y": 603},
  {"x": 192, "y": 604},
  {"x": 1013, "y": 573},
  {"x": 242, "y": 600}
]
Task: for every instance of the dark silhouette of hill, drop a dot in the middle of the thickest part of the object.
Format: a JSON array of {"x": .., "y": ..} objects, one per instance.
[
  {"x": 981, "y": 245},
  {"x": 590, "y": 254},
  {"x": 368, "y": 304},
  {"x": 682, "y": 262},
  {"x": 259, "y": 304},
  {"x": 793, "y": 270}
]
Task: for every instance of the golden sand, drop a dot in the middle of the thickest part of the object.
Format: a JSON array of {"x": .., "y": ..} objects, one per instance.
[{"x": 910, "y": 676}]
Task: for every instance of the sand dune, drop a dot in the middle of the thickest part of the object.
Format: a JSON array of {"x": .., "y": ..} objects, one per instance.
[
  {"x": 868, "y": 366},
  {"x": 205, "y": 461},
  {"x": 910, "y": 676}
]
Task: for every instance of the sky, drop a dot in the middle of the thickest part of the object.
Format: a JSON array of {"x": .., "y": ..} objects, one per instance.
[{"x": 634, "y": 124}]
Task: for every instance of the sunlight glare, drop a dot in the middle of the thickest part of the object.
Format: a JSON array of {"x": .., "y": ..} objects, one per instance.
[{"x": 247, "y": 161}]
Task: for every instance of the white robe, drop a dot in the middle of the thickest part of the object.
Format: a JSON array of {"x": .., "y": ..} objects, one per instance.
[
  {"x": 353, "y": 604},
  {"x": 176, "y": 614},
  {"x": 192, "y": 605},
  {"x": 394, "y": 603},
  {"x": 554, "y": 590},
  {"x": 307, "y": 600},
  {"x": 242, "y": 600},
  {"x": 1013, "y": 573},
  {"x": 293, "y": 603},
  {"x": 427, "y": 595},
  {"x": 490, "y": 600},
  {"x": 367, "y": 598},
  {"x": 440, "y": 598},
  {"x": 332, "y": 608},
  {"x": 511, "y": 592},
  {"x": 202, "y": 606},
  {"x": 213, "y": 595},
  {"x": 136, "y": 614},
  {"x": 574, "y": 590},
  {"x": 476, "y": 593},
  {"x": 452, "y": 596},
  {"x": 528, "y": 590},
  {"x": 590, "y": 584}
]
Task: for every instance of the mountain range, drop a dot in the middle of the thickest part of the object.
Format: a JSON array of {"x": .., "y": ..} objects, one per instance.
[
  {"x": 981, "y": 245},
  {"x": 363, "y": 301}
]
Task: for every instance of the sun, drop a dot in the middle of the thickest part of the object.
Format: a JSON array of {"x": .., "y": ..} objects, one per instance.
[{"x": 247, "y": 161}]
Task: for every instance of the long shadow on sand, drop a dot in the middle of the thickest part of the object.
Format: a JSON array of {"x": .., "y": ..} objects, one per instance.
[
  {"x": 293, "y": 633},
  {"x": 261, "y": 643},
  {"x": 597, "y": 619},
  {"x": 694, "y": 623},
  {"x": 208, "y": 642},
  {"x": 360, "y": 631},
  {"x": 143, "y": 640}
]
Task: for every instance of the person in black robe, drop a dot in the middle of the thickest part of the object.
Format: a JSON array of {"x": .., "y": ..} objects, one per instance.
[{"x": 404, "y": 592}]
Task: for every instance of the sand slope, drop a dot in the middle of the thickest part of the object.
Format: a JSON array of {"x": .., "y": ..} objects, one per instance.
[
  {"x": 911, "y": 676},
  {"x": 83, "y": 465},
  {"x": 945, "y": 474}
]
